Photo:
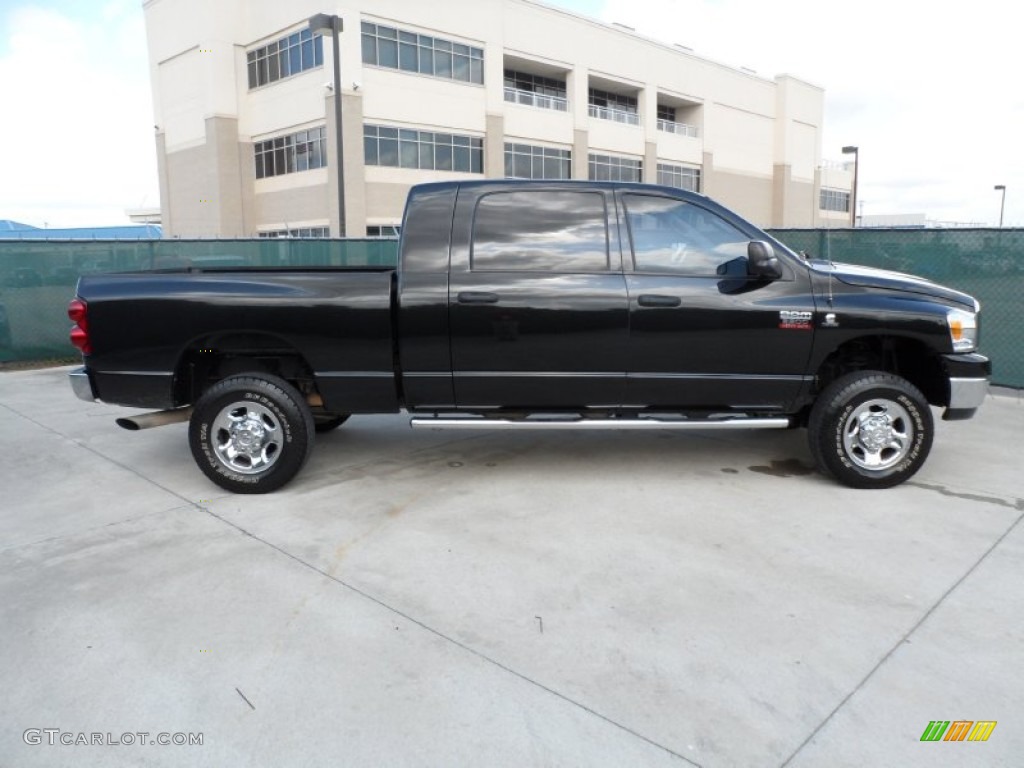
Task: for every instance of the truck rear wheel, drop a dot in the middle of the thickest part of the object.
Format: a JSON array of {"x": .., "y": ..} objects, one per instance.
[
  {"x": 251, "y": 433},
  {"x": 870, "y": 429}
]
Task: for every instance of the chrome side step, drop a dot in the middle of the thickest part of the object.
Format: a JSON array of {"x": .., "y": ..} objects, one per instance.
[{"x": 473, "y": 422}]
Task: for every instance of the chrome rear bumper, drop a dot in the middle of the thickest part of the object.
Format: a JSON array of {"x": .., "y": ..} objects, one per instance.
[{"x": 81, "y": 385}]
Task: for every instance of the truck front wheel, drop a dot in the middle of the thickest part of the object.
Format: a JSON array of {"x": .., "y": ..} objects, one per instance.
[
  {"x": 870, "y": 429},
  {"x": 251, "y": 433}
]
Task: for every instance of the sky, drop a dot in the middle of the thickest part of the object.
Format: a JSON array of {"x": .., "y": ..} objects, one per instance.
[{"x": 927, "y": 90}]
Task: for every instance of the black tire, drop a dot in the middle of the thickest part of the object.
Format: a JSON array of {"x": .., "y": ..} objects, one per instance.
[
  {"x": 251, "y": 433},
  {"x": 329, "y": 421},
  {"x": 870, "y": 429}
]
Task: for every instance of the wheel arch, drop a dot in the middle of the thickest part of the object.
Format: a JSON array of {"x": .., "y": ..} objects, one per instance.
[
  {"x": 210, "y": 358},
  {"x": 904, "y": 356}
]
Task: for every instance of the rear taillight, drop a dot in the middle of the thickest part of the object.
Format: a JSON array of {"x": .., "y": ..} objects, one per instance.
[{"x": 78, "y": 311}]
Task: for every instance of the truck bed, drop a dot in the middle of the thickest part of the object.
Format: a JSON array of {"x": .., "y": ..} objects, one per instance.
[{"x": 150, "y": 328}]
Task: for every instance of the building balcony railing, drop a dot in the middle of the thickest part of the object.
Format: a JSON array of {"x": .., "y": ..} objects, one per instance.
[
  {"x": 615, "y": 115},
  {"x": 532, "y": 99},
  {"x": 681, "y": 128}
]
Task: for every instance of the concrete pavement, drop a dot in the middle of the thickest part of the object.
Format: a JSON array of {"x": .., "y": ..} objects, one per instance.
[{"x": 452, "y": 598}]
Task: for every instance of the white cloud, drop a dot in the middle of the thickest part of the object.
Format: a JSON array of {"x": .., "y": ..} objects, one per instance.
[
  {"x": 926, "y": 90},
  {"x": 78, "y": 130}
]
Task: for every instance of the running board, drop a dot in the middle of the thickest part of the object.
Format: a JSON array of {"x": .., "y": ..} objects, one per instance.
[{"x": 485, "y": 423}]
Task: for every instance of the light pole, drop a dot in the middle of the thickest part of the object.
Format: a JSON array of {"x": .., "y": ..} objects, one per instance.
[
  {"x": 323, "y": 22},
  {"x": 1002, "y": 204},
  {"x": 851, "y": 150}
]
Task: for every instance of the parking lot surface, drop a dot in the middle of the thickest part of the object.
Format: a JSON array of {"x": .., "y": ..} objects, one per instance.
[{"x": 503, "y": 598}]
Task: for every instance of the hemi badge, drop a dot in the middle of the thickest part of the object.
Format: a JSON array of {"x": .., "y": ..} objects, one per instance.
[{"x": 830, "y": 321}]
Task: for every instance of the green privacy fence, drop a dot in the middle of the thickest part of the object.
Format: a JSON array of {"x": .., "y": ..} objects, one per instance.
[
  {"x": 37, "y": 278},
  {"x": 986, "y": 263}
]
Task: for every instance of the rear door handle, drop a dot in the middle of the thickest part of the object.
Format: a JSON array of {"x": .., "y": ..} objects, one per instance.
[
  {"x": 477, "y": 297},
  {"x": 655, "y": 300}
]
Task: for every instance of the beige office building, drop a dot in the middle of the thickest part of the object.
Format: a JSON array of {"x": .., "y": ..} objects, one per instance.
[{"x": 245, "y": 130}]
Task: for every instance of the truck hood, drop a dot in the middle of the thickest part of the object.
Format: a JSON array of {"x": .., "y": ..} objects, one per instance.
[{"x": 868, "y": 277}]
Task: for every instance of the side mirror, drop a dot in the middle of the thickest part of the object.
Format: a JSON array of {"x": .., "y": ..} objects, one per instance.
[{"x": 762, "y": 261}]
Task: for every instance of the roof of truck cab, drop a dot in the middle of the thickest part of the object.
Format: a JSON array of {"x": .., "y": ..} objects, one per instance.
[{"x": 548, "y": 183}]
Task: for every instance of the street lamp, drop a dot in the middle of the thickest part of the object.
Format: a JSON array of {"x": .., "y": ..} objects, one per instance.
[
  {"x": 323, "y": 22},
  {"x": 1002, "y": 205},
  {"x": 851, "y": 150}
]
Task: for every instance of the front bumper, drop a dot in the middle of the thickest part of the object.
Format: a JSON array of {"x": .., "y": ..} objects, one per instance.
[
  {"x": 967, "y": 393},
  {"x": 81, "y": 385},
  {"x": 968, "y": 384}
]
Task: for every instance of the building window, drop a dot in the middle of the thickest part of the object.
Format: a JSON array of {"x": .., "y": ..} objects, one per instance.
[
  {"x": 612, "y": 168},
  {"x": 410, "y": 52},
  {"x": 666, "y": 113},
  {"x": 834, "y": 200},
  {"x": 303, "y": 232},
  {"x": 681, "y": 176},
  {"x": 535, "y": 91},
  {"x": 285, "y": 57},
  {"x": 384, "y": 230},
  {"x": 295, "y": 152},
  {"x": 570, "y": 236},
  {"x": 424, "y": 150},
  {"x": 613, "y": 106},
  {"x": 526, "y": 161}
]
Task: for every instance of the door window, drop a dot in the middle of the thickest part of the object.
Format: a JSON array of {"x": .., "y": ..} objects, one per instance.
[
  {"x": 673, "y": 236},
  {"x": 541, "y": 231}
]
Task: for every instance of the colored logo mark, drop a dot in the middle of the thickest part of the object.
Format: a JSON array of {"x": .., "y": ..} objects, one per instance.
[{"x": 958, "y": 730}]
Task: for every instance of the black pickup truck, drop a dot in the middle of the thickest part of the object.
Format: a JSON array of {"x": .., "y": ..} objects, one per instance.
[{"x": 540, "y": 305}]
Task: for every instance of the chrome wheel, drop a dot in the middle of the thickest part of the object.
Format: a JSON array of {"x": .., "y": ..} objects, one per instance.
[
  {"x": 878, "y": 434},
  {"x": 251, "y": 433},
  {"x": 870, "y": 429},
  {"x": 247, "y": 438}
]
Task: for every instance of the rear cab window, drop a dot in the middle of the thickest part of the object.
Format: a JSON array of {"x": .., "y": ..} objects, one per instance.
[{"x": 562, "y": 231}]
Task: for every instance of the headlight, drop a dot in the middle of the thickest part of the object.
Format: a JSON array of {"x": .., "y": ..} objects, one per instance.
[{"x": 963, "y": 329}]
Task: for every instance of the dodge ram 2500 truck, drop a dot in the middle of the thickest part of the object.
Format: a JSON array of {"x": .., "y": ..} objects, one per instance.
[{"x": 539, "y": 305}]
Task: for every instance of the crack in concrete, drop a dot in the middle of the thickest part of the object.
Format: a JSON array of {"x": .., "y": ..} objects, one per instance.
[
  {"x": 904, "y": 639},
  {"x": 1017, "y": 504},
  {"x": 91, "y": 529},
  {"x": 245, "y": 699},
  {"x": 447, "y": 638},
  {"x": 367, "y": 596}
]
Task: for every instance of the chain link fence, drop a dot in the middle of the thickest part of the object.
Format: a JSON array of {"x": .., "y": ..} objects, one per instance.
[
  {"x": 986, "y": 263},
  {"x": 37, "y": 278}
]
